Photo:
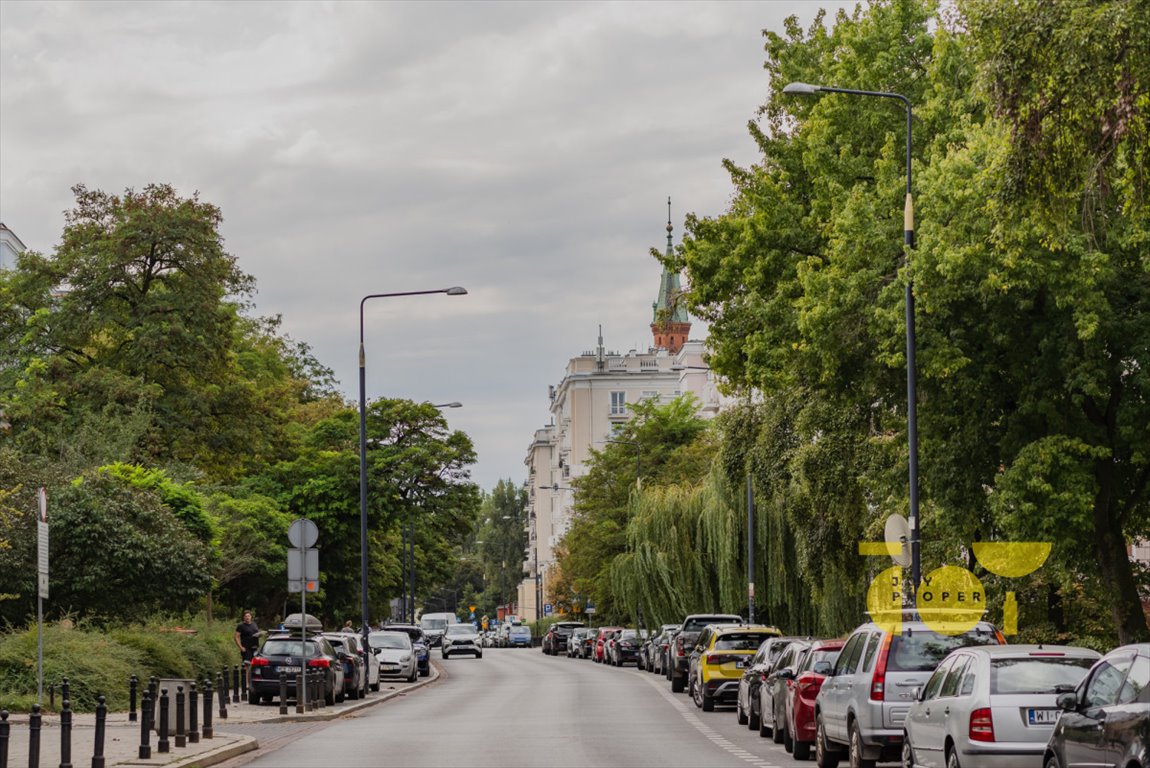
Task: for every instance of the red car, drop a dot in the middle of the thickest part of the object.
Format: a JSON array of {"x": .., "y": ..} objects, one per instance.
[
  {"x": 604, "y": 634},
  {"x": 800, "y": 700}
]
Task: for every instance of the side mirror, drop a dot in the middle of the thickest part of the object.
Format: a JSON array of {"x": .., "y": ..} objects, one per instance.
[
  {"x": 1067, "y": 702},
  {"x": 786, "y": 674},
  {"x": 916, "y": 693},
  {"x": 822, "y": 668}
]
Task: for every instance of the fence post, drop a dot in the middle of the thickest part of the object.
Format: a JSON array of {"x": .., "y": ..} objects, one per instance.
[
  {"x": 133, "y": 685},
  {"x": 4, "y": 729},
  {"x": 101, "y": 722},
  {"x": 222, "y": 689},
  {"x": 193, "y": 711},
  {"x": 181, "y": 731},
  {"x": 162, "y": 744},
  {"x": 208, "y": 708},
  {"x": 145, "y": 725},
  {"x": 65, "y": 731},
  {"x": 283, "y": 692}
]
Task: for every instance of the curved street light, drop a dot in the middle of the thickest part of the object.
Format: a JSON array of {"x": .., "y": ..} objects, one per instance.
[
  {"x": 453, "y": 291},
  {"x": 804, "y": 89}
]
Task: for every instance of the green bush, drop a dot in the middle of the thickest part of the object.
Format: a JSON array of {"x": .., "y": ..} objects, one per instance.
[{"x": 101, "y": 662}]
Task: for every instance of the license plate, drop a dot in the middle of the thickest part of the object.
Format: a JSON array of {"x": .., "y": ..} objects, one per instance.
[
  {"x": 1042, "y": 716},
  {"x": 290, "y": 670}
]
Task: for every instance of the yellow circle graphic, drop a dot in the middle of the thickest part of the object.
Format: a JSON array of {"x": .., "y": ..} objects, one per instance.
[
  {"x": 951, "y": 600},
  {"x": 884, "y": 600}
]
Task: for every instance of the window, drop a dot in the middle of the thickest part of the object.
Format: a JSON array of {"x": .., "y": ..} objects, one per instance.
[
  {"x": 848, "y": 661},
  {"x": 649, "y": 394},
  {"x": 1105, "y": 683},
  {"x": 1137, "y": 684},
  {"x": 950, "y": 685},
  {"x": 1037, "y": 675},
  {"x": 868, "y": 661},
  {"x": 618, "y": 404},
  {"x": 935, "y": 681}
]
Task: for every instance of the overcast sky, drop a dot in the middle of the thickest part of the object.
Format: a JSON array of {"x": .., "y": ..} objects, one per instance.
[{"x": 522, "y": 150}]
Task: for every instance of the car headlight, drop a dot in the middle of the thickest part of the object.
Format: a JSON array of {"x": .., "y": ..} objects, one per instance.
[{"x": 406, "y": 658}]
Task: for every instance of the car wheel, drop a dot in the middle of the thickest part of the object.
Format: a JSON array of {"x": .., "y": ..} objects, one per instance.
[
  {"x": 778, "y": 732},
  {"x": 479, "y": 655},
  {"x": 253, "y": 698},
  {"x": 788, "y": 742},
  {"x": 422, "y": 673},
  {"x": 952, "y": 758},
  {"x": 330, "y": 698},
  {"x": 907, "y": 751},
  {"x": 708, "y": 701},
  {"x": 764, "y": 729},
  {"x": 754, "y": 720},
  {"x": 802, "y": 750},
  {"x": 678, "y": 684},
  {"x": 824, "y": 758},
  {"x": 1052, "y": 762},
  {"x": 855, "y": 750},
  {"x": 375, "y": 687},
  {"x": 740, "y": 714},
  {"x": 414, "y": 675}
]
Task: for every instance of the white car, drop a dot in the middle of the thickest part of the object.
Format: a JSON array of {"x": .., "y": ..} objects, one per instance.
[
  {"x": 461, "y": 638},
  {"x": 991, "y": 706},
  {"x": 395, "y": 654}
]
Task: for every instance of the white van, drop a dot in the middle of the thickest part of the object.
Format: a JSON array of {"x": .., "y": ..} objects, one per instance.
[{"x": 434, "y": 625}]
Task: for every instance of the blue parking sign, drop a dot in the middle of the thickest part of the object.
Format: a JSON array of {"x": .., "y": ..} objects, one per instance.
[{"x": 547, "y": 609}]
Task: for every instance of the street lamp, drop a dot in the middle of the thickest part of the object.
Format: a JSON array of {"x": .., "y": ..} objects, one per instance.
[
  {"x": 908, "y": 239},
  {"x": 453, "y": 291}
]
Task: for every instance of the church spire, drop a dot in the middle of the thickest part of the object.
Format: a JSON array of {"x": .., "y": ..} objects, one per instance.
[{"x": 670, "y": 324}]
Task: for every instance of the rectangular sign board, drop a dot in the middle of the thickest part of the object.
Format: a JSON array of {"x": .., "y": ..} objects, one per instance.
[
  {"x": 42, "y": 559},
  {"x": 309, "y": 566},
  {"x": 296, "y": 585}
]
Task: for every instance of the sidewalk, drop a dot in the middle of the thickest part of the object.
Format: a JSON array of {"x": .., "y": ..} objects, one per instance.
[{"x": 122, "y": 738}]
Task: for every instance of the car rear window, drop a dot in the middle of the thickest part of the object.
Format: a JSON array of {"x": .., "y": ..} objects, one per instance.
[
  {"x": 740, "y": 641},
  {"x": 921, "y": 650},
  {"x": 831, "y": 656},
  {"x": 288, "y": 648},
  {"x": 694, "y": 625},
  {"x": 1037, "y": 675}
]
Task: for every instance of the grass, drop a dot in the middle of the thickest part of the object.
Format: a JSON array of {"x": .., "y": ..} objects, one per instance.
[{"x": 100, "y": 661}]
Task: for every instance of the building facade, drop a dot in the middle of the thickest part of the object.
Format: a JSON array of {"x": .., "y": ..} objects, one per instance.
[{"x": 10, "y": 247}]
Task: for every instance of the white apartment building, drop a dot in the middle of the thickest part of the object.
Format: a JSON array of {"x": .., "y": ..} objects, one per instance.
[
  {"x": 10, "y": 247},
  {"x": 588, "y": 406}
]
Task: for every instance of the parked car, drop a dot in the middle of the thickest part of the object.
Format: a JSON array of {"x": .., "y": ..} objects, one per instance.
[
  {"x": 395, "y": 653},
  {"x": 555, "y": 641},
  {"x": 863, "y": 703},
  {"x": 587, "y": 649},
  {"x": 1105, "y": 720},
  {"x": 809, "y": 678},
  {"x": 419, "y": 645},
  {"x": 655, "y": 647},
  {"x": 625, "y": 645},
  {"x": 291, "y": 655},
  {"x": 354, "y": 664},
  {"x": 575, "y": 643},
  {"x": 775, "y": 688},
  {"x": 601, "y": 637},
  {"x": 687, "y": 638},
  {"x": 461, "y": 638},
  {"x": 992, "y": 706},
  {"x": 757, "y": 669},
  {"x": 717, "y": 662},
  {"x": 519, "y": 637}
]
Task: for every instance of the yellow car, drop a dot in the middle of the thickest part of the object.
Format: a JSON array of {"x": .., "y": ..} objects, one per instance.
[{"x": 717, "y": 663}]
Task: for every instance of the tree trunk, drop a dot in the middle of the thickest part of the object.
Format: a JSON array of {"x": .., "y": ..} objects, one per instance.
[{"x": 1114, "y": 563}]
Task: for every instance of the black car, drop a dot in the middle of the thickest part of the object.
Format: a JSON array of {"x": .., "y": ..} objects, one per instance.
[
  {"x": 625, "y": 647},
  {"x": 555, "y": 641},
  {"x": 419, "y": 644},
  {"x": 1104, "y": 720},
  {"x": 346, "y": 648},
  {"x": 291, "y": 655}
]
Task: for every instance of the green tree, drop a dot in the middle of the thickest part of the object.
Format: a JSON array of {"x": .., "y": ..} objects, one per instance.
[{"x": 503, "y": 534}]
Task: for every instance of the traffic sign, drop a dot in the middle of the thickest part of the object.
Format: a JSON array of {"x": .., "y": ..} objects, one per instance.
[
  {"x": 303, "y": 533},
  {"x": 547, "y": 609}
]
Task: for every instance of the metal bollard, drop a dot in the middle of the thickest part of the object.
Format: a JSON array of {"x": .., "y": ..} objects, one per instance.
[
  {"x": 154, "y": 691},
  {"x": 64, "y": 691},
  {"x": 162, "y": 744},
  {"x": 52, "y": 696},
  {"x": 223, "y": 684},
  {"x": 181, "y": 731},
  {"x": 316, "y": 697},
  {"x": 222, "y": 689},
  {"x": 246, "y": 681},
  {"x": 300, "y": 704},
  {"x": 65, "y": 731},
  {"x": 193, "y": 710},
  {"x": 208, "y": 709},
  {"x": 101, "y": 722},
  {"x": 236, "y": 684},
  {"x": 133, "y": 685},
  {"x": 145, "y": 725},
  {"x": 34, "y": 737},
  {"x": 283, "y": 692},
  {"x": 5, "y": 728}
]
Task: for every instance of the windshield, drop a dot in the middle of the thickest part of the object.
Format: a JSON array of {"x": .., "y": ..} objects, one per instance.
[
  {"x": 433, "y": 623},
  {"x": 1037, "y": 675},
  {"x": 460, "y": 629},
  {"x": 389, "y": 640},
  {"x": 922, "y": 649}
]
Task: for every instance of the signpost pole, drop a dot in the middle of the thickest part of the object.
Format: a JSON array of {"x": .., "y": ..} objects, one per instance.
[{"x": 41, "y": 587}]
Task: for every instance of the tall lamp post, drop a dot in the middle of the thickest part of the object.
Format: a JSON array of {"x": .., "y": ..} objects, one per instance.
[
  {"x": 453, "y": 291},
  {"x": 911, "y": 379}
]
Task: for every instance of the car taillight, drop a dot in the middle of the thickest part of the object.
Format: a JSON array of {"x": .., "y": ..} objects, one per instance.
[
  {"x": 324, "y": 663},
  {"x": 259, "y": 661},
  {"x": 679, "y": 647},
  {"x": 981, "y": 725},
  {"x": 807, "y": 681},
  {"x": 878, "y": 682}
]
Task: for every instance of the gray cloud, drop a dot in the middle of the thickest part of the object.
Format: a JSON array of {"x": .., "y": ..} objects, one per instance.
[{"x": 523, "y": 150}]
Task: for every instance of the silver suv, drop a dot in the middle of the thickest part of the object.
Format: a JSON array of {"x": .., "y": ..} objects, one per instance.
[{"x": 864, "y": 701}]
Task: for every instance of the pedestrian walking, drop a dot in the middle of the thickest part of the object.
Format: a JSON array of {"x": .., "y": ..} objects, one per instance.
[{"x": 247, "y": 637}]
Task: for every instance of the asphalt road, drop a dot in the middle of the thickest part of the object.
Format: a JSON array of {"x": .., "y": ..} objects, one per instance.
[{"x": 517, "y": 707}]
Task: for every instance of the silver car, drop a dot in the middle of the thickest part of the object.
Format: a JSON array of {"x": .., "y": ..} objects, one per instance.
[
  {"x": 395, "y": 654},
  {"x": 461, "y": 638},
  {"x": 991, "y": 706}
]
